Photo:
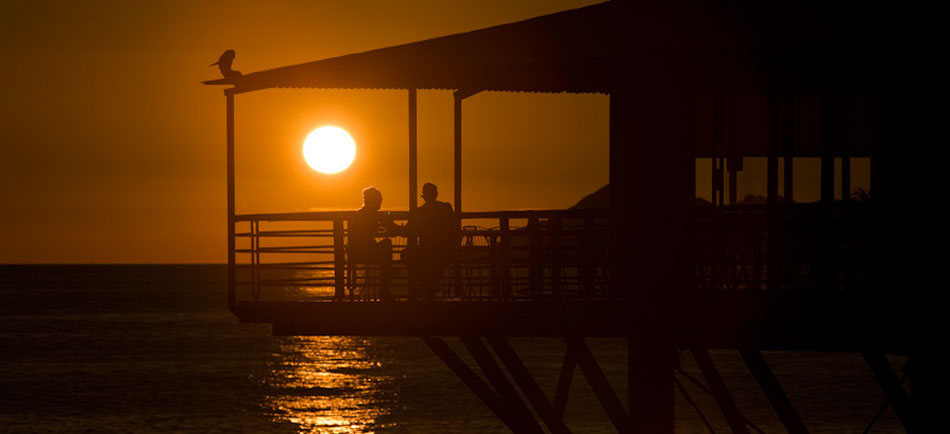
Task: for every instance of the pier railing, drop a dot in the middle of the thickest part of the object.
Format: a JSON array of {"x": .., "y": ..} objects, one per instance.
[
  {"x": 556, "y": 255},
  {"x": 509, "y": 255}
]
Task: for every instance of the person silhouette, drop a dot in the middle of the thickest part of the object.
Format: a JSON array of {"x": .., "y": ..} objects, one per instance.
[
  {"x": 434, "y": 223},
  {"x": 362, "y": 246}
]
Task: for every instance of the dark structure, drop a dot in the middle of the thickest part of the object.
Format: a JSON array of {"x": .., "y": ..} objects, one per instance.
[{"x": 686, "y": 80}]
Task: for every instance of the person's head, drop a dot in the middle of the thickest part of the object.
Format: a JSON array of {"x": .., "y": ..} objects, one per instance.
[
  {"x": 372, "y": 198},
  {"x": 429, "y": 191}
]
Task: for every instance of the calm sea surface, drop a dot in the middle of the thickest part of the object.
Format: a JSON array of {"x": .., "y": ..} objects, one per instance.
[{"x": 153, "y": 349}]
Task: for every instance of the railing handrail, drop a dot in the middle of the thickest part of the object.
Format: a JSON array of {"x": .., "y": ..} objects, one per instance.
[{"x": 401, "y": 215}]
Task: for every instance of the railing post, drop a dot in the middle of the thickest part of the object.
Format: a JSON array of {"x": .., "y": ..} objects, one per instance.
[
  {"x": 555, "y": 227},
  {"x": 535, "y": 258},
  {"x": 339, "y": 259},
  {"x": 255, "y": 259},
  {"x": 587, "y": 258},
  {"x": 503, "y": 258}
]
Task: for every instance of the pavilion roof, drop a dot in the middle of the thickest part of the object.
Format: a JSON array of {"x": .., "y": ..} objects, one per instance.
[
  {"x": 595, "y": 48},
  {"x": 507, "y": 57}
]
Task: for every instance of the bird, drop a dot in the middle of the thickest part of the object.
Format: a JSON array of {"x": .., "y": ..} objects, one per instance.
[{"x": 224, "y": 64}]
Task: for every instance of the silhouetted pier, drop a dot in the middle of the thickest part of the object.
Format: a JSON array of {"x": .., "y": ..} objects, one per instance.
[{"x": 721, "y": 87}]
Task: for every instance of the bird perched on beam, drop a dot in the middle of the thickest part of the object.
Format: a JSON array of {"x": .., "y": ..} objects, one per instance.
[{"x": 224, "y": 64}]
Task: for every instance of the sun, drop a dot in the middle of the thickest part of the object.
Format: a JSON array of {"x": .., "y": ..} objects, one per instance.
[{"x": 329, "y": 149}]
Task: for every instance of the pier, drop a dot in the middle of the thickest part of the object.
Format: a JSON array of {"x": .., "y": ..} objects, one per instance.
[{"x": 656, "y": 267}]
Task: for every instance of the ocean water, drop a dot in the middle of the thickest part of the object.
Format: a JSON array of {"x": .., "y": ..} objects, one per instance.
[{"x": 109, "y": 348}]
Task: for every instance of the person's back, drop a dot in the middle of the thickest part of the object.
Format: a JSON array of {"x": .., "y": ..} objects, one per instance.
[
  {"x": 434, "y": 223},
  {"x": 436, "y": 226},
  {"x": 362, "y": 247},
  {"x": 363, "y": 230}
]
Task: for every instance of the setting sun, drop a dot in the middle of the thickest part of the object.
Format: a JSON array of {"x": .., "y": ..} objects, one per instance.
[{"x": 329, "y": 149}]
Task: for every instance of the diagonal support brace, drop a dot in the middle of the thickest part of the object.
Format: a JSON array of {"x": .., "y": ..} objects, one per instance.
[
  {"x": 496, "y": 377},
  {"x": 719, "y": 391},
  {"x": 598, "y": 381},
  {"x": 481, "y": 390},
  {"x": 527, "y": 384}
]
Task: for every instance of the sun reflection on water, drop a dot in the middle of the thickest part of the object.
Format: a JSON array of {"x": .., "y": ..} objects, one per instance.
[{"x": 330, "y": 385}]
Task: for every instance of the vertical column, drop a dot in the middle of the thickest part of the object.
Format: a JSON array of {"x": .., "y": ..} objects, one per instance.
[
  {"x": 652, "y": 164},
  {"x": 827, "y": 113},
  {"x": 788, "y": 138},
  {"x": 232, "y": 298},
  {"x": 458, "y": 152},
  {"x": 845, "y": 141},
  {"x": 413, "y": 152},
  {"x": 734, "y": 158},
  {"x": 413, "y": 185},
  {"x": 771, "y": 174}
]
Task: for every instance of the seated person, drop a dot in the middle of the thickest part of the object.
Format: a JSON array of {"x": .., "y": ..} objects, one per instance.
[
  {"x": 362, "y": 246},
  {"x": 435, "y": 224}
]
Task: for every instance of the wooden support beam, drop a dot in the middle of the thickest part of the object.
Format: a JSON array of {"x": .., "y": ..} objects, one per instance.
[
  {"x": 457, "y": 111},
  {"x": 411, "y": 239},
  {"x": 719, "y": 391},
  {"x": 827, "y": 127},
  {"x": 526, "y": 382},
  {"x": 773, "y": 391},
  {"x": 772, "y": 262},
  {"x": 496, "y": 377},
  {"x": 891, "y": 386},
  {"x": 413, "y": 151},
  {"x": 232, "y": 296},
  {"x": 689, "y": 400},
  {"x": 845, "y": 140},
  {"x": 475, "y": 384},
  {"x": 564, "y": 382},
  {"x": 771, "y": 169},
  {"x": 598, "y": 381},
  {"x": 788, "y": 139}
]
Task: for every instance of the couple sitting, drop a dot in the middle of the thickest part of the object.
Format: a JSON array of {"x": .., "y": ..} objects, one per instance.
[{"x": 433, "y": 223}]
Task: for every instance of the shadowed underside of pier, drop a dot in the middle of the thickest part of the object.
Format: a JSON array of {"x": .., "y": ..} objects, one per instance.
[{"x": 821, "y": 322}]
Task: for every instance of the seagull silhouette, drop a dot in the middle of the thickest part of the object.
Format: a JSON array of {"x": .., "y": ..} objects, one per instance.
[{"x": 224, "y": 64}]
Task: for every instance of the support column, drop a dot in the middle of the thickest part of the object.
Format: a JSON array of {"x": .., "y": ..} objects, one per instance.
[
  {"x": 845, "y": 141},
  {"x": 413, "y": 152},
  {"x": 458, "y": 151},
  {"x": 772, "y": 263},
  {"x": 232, "y": 297},
  {"x": 788, "y": 138},
  {"x": 652, "y": 168},
  {"x": 413, "y": 187},
  {"x": 827, "y": 113}
]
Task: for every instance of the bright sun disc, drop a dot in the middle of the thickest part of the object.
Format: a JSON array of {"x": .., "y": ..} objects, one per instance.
[{"x": 329, "y": 149}]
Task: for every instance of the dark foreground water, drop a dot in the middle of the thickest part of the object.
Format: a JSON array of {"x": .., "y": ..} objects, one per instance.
[{"x": 153, "y": 349}]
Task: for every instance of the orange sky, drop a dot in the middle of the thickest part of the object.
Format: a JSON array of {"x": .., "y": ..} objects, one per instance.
[{"x": 113, "y": 152}]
